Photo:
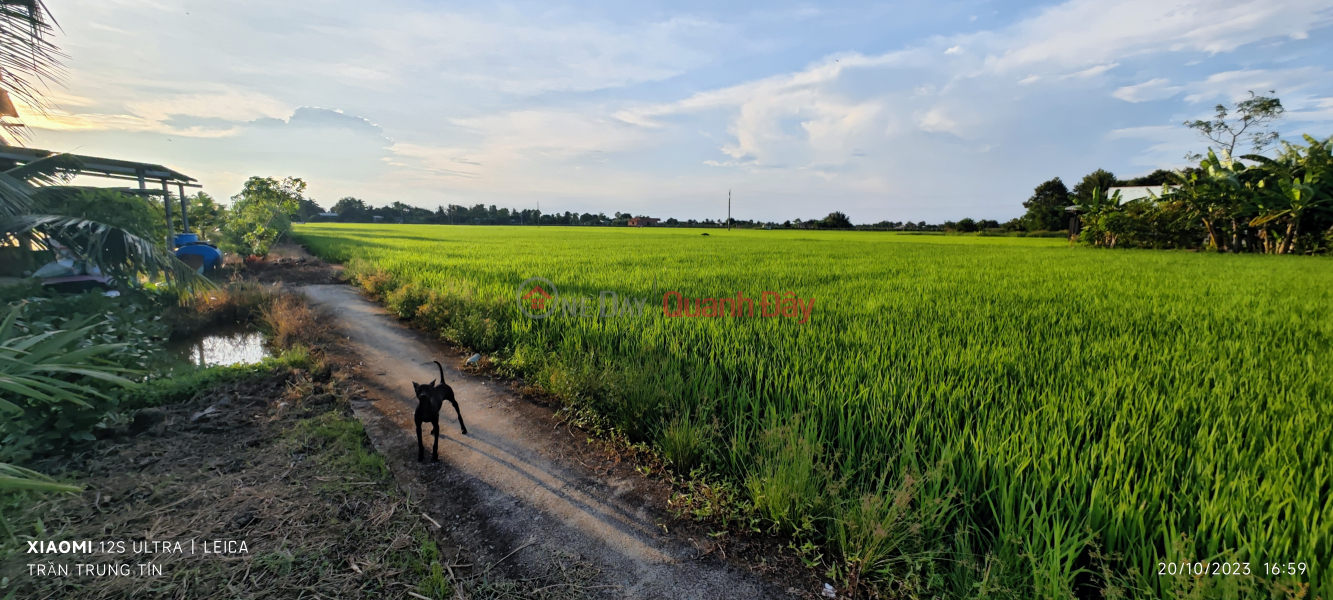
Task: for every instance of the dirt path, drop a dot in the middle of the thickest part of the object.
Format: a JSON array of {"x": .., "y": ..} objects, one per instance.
[{"x": 515, "y": 483}]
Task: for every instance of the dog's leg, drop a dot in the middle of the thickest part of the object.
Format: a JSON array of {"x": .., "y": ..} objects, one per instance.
[
  {"x": 421, "y": 448},
  {"x": 460, "y": 415},
  {"x": 435, "y": 433}
]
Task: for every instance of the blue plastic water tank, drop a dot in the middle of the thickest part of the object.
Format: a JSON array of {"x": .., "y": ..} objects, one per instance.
[{"x": 201, "y": 256}]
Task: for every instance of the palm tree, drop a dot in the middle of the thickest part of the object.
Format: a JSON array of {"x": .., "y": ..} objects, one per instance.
[{"x": 28, "y": 60}]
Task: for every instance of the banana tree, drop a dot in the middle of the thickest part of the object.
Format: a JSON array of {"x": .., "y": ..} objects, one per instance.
[
  {"x": 1101, "y": 215},
  {"x": 1297, "y": 185},
  {"x": 1211, "y": 195}
]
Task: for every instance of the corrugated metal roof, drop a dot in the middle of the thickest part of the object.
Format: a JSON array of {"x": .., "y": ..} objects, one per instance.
[
  {"x": 105, "y": 167},
  {"x": 1137, "y": 192}
]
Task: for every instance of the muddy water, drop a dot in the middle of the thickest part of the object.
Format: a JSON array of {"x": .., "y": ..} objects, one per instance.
[{"x": 223, "y": 346}]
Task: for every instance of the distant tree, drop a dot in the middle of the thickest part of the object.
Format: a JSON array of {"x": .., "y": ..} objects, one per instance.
[
  {"x": 348, "y": 204},
  {"x": 1250, "y": 121},
  {"x": 836, "y": 220},
  {"x": 1101, "y": 179},
  {"x": 307, "y": 209},
  {"x": 1156, "y": 178},
  {"x": 988, "y": 224},
  {"x": 1046, "y": 207},
  {"x": 260, "y": 214},
  {"x": 1014, "y": 225},
  {"x": 207, "y": 217},
  {"x": 353, "y": 210},
  {"x": 967, "y": 225}
]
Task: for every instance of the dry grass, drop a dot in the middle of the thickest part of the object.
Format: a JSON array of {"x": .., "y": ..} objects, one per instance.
[{"x": 291, "y": 321}]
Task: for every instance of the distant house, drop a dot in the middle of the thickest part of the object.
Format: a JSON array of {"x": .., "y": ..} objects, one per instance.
[
  {"x": 643, "y": 222},
  {"x": 329, "y": 215},
  {"x": 378, "y": 219},
  {"x": 1137, "y": 192}
]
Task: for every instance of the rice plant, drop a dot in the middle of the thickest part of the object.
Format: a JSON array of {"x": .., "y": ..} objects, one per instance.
[{"x": 1086, "y": 417}]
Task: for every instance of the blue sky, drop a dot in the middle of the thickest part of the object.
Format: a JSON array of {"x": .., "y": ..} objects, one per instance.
[{"x": 898, "y": 111}]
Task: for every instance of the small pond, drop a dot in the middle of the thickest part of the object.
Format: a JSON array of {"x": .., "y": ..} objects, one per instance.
[{"x": 222, "y": 346}]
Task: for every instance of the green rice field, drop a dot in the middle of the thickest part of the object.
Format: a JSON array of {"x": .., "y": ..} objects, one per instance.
[{"x": 960, "y": 416}]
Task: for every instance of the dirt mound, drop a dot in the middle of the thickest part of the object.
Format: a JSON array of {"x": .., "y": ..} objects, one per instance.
[{"x": 287, "y": 263}]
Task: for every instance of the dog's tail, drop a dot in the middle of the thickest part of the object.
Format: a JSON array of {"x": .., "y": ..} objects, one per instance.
[{"x": 437, "y": 363}]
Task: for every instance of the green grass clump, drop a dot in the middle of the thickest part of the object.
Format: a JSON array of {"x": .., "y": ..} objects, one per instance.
[
  {"x": 342, "y": 440},
  {"x": 1083, "y": 415},
  {"x": 183, "y": 382}
]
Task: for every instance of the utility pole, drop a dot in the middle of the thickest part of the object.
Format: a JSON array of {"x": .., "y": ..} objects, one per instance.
[{"x": 728, "y": 210}]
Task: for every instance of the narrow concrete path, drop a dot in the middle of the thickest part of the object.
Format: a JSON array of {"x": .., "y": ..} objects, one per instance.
[{"x": 522, "y": 479}]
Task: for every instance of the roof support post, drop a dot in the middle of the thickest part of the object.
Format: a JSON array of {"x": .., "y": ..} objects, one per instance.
[
  {"x": 185, "y": 220},
  {"x": 166, "y": 202},
  {"x": 143, "y": 185}
]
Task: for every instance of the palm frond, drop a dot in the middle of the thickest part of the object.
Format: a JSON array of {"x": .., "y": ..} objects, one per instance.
[
  {"x": 117, "y": 251},
  {"x": 28, "y": 59},
  {"x": 16, "y": 199},
  {"x": 18, "y": 478}
]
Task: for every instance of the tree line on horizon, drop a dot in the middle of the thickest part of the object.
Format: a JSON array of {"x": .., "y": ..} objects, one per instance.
[
  {"x": 1277, "y": 204},
  {"x": 355, "y": 210}
]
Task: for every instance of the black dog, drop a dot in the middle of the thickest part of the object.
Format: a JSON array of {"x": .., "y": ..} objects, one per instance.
[{"x": 430, "y": 398}]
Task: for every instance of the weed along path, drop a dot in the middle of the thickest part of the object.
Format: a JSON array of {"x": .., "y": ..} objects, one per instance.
[{"x": 518, "y": 489}]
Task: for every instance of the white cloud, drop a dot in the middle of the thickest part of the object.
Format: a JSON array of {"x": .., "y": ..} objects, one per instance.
[
  {"x": 508, "y": 103},
  {"x": 1153, "y": 89},
  {"x": 229, "y": 105},
  {"x": 825, "y": 124},
  {"x": 1087, "y": 32},
  {"x": 1147, "y": 132},
  {"x": 519, "y": 54},
  {"x": 1093, "y": 71},
  {"x": 1235, "y": 85},
  {"x": 1228, "y": 86},
  {"x": 1313, "y": 110},
  {"x": 934, "y": 120},
  {"x": 1166, "y": 144}
]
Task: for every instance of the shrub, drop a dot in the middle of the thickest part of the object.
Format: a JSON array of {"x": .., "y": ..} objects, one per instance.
[
  {"x": 260, "y": 214},
  {"x": 51, "y": 380}
]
